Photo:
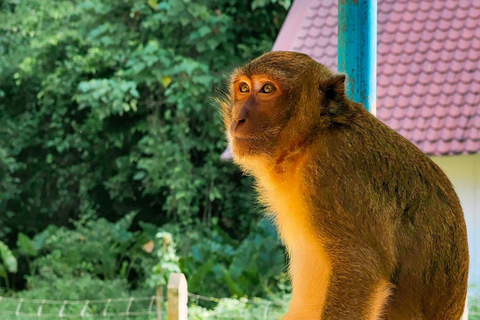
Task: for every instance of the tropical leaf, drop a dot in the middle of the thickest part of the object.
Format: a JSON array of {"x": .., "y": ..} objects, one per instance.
[
  {"x": 8, "y": 259},
  {"x": 26, "y": 245}
]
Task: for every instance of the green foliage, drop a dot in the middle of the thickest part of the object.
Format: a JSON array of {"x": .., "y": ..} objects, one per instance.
[
  {"x": 106, "y": 107},
  {"x": 8, "y": 263},
  {"x": 103, "y": 249},
  {"x": 240, "y": 308},
  {"x": 9, "y": 188},
  {"x": 73, "y": 288},
  {"x": 166, "y": 257},
  {"x": 26, "y": 246},
  {"x": 217, "y": 265},
  {"x": 96, "y": 260},
  {"x": 101, "y": 257},
  {"x": 473, "y": 301}
]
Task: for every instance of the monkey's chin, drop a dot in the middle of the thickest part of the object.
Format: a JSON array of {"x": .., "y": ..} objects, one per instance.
[{"x": 243, "y": 147}]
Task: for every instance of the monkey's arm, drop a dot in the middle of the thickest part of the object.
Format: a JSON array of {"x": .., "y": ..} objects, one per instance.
[
  {"x": 359, "y": 238},
  {"x": 357, "y": 288}
]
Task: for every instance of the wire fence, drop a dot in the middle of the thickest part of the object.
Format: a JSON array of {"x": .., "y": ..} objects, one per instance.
[
  {"x": 15, "y": 308},
  {"x": 139, "y": 308},
  {"x": 154, "y": 308}
]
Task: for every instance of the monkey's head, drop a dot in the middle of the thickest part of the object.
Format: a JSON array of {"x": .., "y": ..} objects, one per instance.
[{"x": 278, "y": 101}]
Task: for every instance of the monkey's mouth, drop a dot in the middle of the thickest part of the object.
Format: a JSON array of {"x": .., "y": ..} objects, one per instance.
[
  {"x": 241, "y": 144},
  {"x": 237, "y": 136},
  {"x": 242, "y": 138}
]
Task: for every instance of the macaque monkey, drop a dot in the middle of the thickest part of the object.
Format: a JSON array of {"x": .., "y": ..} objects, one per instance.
[{"x": 373, "y": 228}]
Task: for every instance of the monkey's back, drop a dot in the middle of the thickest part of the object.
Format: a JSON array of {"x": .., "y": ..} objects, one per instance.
[{"x": 389, "y": 193}]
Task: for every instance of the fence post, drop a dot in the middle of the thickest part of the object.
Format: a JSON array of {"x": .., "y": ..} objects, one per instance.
[
  {"x": 177, "y": 297},
  {"x": 159, "y": 300}
]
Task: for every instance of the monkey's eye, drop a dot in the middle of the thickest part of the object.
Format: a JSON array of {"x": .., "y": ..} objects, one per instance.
[
  {"x": 244, "y": 87},
  {"x": 268, "y": 88}
]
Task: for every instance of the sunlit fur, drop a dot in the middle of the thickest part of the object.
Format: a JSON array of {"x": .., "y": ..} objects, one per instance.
[
  {"x": 310, "y": 266},
  {"x": 278, "y": 168},
  {"x": 345, "y": 192},
  {"x": 381, "y": 296}
]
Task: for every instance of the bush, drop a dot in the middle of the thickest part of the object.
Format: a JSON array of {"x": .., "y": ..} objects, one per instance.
[
  {"x": 106, "y": 108},
  {"x": 217, "y": 265},
  {"x": 99, "y": 259},
  {"x": 241, "y": 309},
  {"x": 95, "y": 259}
]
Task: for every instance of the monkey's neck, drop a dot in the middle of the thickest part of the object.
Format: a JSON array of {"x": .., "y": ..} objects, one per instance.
[
  {"x": 292, "y": 157},
  {"x": 294, "y": 152}
]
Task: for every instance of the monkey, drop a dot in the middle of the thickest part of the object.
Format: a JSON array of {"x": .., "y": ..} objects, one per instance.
[{"x": 372, "y": 227}]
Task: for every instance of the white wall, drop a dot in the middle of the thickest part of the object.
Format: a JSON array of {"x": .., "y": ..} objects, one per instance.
[{"x": 464, "y": 172}]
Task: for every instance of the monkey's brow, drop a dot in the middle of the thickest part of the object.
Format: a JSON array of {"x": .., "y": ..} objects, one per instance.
[{"x": 237, "y": 78}]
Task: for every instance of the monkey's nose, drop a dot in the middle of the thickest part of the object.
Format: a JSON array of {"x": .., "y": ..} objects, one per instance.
[
  {"x": 236, "y": 124},
  {"x": 242, "y": 117}
]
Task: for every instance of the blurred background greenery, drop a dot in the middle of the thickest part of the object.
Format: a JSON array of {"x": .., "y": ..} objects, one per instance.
[{"x": 110, "y": 143}]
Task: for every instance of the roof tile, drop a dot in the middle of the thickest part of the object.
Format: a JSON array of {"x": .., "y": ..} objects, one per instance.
[{"x": 428, "y": 70}]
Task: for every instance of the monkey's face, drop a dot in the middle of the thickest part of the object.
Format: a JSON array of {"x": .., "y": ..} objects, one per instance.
[
  {"x": 278, "y": 101},
  {"x": 257, "y": 114}
]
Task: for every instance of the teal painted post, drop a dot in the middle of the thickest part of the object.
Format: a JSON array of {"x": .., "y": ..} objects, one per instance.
[{"x": 357, "y": 49}]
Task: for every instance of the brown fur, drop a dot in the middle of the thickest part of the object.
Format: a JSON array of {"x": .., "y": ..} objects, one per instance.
[{"x": 373, "y": 227}]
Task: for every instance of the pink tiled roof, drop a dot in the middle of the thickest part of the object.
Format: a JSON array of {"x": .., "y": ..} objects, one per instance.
[{"x": 428, "y": 74}]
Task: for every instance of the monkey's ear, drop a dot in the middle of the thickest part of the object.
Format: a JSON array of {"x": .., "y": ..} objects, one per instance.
[
  {"x": 334, "y": 87},
  {"x": 333, "y": 90}
]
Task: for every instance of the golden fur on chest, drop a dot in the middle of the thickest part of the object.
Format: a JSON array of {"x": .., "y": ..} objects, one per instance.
[{"x": 310, "y": 267}]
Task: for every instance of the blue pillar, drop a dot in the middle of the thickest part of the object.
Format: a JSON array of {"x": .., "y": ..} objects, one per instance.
[{"x": 357, "y": 49}]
